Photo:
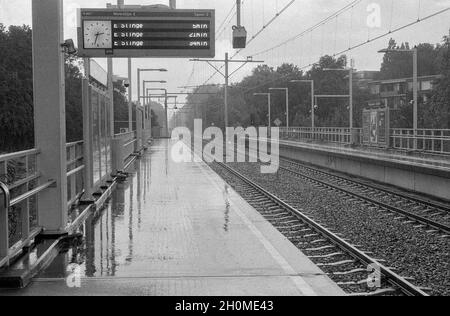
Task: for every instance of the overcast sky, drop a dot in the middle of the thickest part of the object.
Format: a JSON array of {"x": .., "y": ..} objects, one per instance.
[{"x": 348, "y": 29}]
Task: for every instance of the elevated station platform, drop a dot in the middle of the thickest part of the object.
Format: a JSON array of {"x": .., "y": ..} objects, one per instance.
[
  {"x": 420, "y": 172},
  {"x": 179, "y": 229}
]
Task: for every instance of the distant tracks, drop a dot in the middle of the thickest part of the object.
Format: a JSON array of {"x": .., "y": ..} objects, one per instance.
[{"x": 411, "y": 208}]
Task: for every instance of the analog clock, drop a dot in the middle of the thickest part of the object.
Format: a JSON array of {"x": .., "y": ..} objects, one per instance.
[{"x": 97, "y": 34}]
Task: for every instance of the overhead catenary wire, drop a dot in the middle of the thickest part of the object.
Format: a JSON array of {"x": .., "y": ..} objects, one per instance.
[
  {"x": 264, "y": 27},
  {"x": 312, "y": 28},
  {"x": 363, "y": 43}
]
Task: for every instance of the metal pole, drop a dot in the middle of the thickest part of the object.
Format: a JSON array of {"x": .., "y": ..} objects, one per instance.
[
  {"x": 415, "y": 92},
  {"x": 111, "y": 95},
  {"x": 139, "y": 85},
  {"x": 130, "y": 97},
  {"x": 270, "y": 112},
  {"x": 313, "y": 116},
  {"x": 49, "y": 113},
  {"x": 167, "y": 115},
  {"x": 87, "y": 131},
  {"x": 351, "y": 97},
  {"x": 226, "y": 89},
  {"x": 238, "y": 12},
  {"x": 287, "y": 108},
  {"x": 147, "y": 111}
]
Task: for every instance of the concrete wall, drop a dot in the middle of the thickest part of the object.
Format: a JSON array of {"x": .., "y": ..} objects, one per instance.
[{"x": 425, "y": 180}]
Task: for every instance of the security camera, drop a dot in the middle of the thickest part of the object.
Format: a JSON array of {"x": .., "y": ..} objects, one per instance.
[
  {"x": 69, "y": 47},
  {"x": 126, "y": 83}
]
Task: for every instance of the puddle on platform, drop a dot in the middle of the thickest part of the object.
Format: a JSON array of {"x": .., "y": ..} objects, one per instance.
[
  {"x": 144, "y": 226},
  {"x": 108, "y": 241}
]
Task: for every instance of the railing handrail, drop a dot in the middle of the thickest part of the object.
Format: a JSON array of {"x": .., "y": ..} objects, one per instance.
[
  {"x": 80, "y": 142},
  {"x": 5, "y": 189},
  {"x": 125, "y": 134},
  {"x": 422, "y": 129},
  {"x": 19, "y": 154},
  {"x": 31, "y": 193}
]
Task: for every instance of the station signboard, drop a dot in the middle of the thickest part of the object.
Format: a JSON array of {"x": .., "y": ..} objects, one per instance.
[{"x": 146, "y": 33}]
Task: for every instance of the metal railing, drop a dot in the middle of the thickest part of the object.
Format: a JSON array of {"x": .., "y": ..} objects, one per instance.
[
  {"x": 75, "y": 167},
  {"x": 19, "y": 187},
  {"x": 435, "y": 141},
  {"x": 19, "y": 183},
  {"x": 124, "y": 146},
  {"x": 321, "y": 134},
  {"x": 129, "y": 141}
]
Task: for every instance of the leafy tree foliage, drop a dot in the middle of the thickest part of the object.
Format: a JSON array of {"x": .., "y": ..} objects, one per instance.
[
  {"x": 16, "y": 92},
  {"x": 398, "y": 65},
  {"x": 246, "y": 109},
  {"x": 436, "y": 113},
  {"x": 16, "y": 97}
]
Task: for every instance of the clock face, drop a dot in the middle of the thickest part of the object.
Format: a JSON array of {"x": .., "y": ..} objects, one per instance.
[{"x": 97, "y": 34}]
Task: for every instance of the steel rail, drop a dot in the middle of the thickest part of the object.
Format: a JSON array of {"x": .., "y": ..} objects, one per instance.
[
  {"x": 418, "y": 218},
  {"x": 374, "y": 187},
  {"x": 391, "y": 277}
]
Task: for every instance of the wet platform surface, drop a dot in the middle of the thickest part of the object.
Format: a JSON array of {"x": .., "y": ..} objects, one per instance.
[{"x": 178, "y": 229}]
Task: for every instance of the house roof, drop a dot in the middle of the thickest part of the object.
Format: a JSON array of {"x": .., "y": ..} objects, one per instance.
[{"x": 421, "y": 78}]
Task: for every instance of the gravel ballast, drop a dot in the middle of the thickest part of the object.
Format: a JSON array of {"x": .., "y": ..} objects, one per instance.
[{"x": 411, "y": 251}]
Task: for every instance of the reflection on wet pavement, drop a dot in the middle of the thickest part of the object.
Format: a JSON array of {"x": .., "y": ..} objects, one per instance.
[
  {"x": 115, "y": 237},
  {"x": 108, "y": 245}
]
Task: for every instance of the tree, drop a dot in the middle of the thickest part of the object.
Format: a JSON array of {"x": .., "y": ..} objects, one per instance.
[
  {"x": 331, "y": 111},
  {"x": 398, "y": 65},
  {"x": 16, "y": 88},
  {"x": 74, "y": 106},
  {"x": 437, "y": 111}
]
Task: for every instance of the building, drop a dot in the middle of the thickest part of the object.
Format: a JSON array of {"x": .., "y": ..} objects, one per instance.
[
  {"x": 398, "y": 92},
  {"x": 362, "y": 78}
]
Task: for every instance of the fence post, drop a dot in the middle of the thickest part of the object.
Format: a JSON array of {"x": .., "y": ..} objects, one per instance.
[
  {"x": 117, "y": 155},
  {"x": 49, "y": 112},
  {"x": 4, "y": 231},
  {"x": 139, "y": 129}
]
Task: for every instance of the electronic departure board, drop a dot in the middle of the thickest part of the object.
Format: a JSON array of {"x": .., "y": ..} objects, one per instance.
[{"x": 146, "y": 33}]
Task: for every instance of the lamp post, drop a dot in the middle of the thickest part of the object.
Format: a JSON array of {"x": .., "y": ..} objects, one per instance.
[
  {"x": 145, "y": 82},
  {"x": 269, "y": 108},
  {"x": 313, "y": 104},
  {"x": 350, "y": 95},
  {"x": 139, "y": 70},
  {"x": 166, "y": 97},
  {"x": 287, "y": 102},
  {"x": 414, "y": 51}
]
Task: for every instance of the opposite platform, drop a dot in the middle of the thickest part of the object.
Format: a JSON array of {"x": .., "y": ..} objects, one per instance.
[{"x": 179, "y": 229}]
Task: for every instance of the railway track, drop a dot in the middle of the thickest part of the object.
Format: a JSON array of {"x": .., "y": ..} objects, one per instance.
[
  {"x": 351, "y": 268},
  {"x": 427, "y": 214}
]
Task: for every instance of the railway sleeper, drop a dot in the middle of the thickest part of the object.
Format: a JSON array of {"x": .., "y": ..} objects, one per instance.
[{"x": 335, "y": 264}]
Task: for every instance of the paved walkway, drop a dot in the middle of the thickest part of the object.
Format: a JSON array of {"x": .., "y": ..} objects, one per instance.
[{"x": 178, "y": 229}]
